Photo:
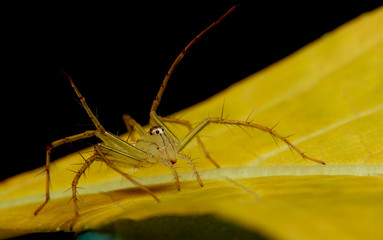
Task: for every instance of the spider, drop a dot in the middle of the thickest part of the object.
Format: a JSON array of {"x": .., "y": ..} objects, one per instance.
[{"x": 158, "y": 145}]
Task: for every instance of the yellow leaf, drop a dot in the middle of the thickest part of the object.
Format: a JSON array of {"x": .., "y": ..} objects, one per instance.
[{"x": 329, "y": 94}]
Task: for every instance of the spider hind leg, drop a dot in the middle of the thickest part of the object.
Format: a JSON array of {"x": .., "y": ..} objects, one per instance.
[{"x": 184, "y": 142}]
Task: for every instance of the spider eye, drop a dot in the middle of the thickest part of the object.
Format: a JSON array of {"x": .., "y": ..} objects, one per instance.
[{"x": 156, "y": 131}]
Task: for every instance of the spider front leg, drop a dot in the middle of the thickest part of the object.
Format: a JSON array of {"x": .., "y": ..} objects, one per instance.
[
  {"x": 86, "y": 134},
  {"x": 199, "y": 141},
  {"x": 174, "y": 171},
  {"x": 158, "y": 98},
  {"x": 205, "y": 122},
  {"x": 192, "y": 167}
]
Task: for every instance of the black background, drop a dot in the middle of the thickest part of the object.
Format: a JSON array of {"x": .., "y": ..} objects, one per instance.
[{"x": 119, "y": 54}]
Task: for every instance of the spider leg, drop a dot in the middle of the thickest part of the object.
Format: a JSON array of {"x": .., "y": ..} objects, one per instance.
[
  {"x": 132, "y": 125},
  {"x": 85, "y": 166},
  {"x": 192, "y": 167},
  {"x": 174, "y": 171},
  {"x": 207, "y": 121},
  {"x": 157, "y": 101},
  {"x": 189, "y": 126},
  {"x": 92, "y": 117},
  {"x": 86, "y": 134},
  {"x": 127, "y": 176}
]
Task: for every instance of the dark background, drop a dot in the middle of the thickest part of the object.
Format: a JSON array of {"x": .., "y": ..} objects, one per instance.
[{"x": 119, "y": 54}]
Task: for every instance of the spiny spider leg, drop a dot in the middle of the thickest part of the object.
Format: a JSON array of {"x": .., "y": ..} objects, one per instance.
[
  {"x": 157, "y": 101},
  {"x": 205, "y": 122},
  {"x": 86, "y": 134},
  {"x": 190, "y": 162},
  {"x": 85, "y": 166},
  {"x": 92, "y": 117}
]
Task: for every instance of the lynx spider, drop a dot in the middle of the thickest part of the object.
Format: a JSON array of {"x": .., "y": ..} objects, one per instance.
[{"x": 159, "y": 144}]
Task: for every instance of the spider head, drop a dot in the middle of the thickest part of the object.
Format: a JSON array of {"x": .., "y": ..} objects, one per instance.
[
  {"x": 157, "y": 130},
  {"x": 161, "y": 145}
]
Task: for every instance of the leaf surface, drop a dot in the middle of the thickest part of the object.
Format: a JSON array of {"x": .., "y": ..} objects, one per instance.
[{"x": 328, "y": 94}]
